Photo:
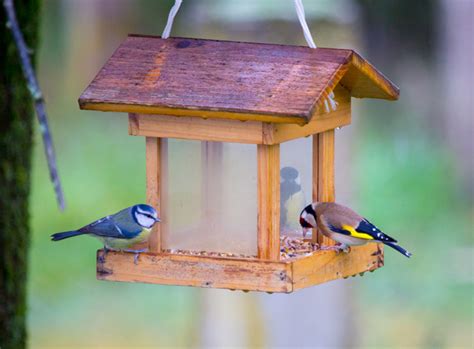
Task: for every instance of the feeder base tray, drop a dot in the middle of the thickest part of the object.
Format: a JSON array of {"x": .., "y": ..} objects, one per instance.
[{"x": 246, "y": 274}]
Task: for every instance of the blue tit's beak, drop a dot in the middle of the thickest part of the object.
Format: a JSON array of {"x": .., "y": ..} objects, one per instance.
[{"x": 157, "y": 219}]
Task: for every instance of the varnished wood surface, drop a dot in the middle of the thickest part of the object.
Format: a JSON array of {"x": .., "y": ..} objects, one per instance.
[
  {"x": 236, "y": 131},
  {"x": 232, "y": 80},
  {"x": 186, "y": 127},
  {"x": 238, "y": 273},
  {"x": 268, "y": 201},
  {"x": 320, "y": 122},
  {"x": 199, "y": 271},
  {"x": 153, "y": 187},
  {"x": 323, "y": 174},
  {"x": 328, "y": 265}
]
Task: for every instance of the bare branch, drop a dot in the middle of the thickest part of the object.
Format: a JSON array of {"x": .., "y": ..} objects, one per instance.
[{"x": 32, "y": 83}]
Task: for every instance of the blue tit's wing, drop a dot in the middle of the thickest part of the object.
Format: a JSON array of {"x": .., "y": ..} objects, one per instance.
[
  {"x": 120, "y": 226},
  {"x": 124, "y": 221},
  {"x": 103, "y": 227}
]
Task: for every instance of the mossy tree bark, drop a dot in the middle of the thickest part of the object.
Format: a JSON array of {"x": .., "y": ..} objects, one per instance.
[{"x": 16, "y": 141}]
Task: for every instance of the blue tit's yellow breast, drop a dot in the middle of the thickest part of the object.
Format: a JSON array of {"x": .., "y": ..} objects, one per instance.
[{"x": 120, "y": 244}]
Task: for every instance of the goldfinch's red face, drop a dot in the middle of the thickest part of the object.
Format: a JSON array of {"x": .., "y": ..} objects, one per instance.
[
  {"x": 304, "y": 223},
  {"x": 307, "y": 219}
]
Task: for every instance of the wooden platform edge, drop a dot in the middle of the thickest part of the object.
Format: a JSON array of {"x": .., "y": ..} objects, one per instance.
[
  {"x": 198, "y": 271},
  {"x": 326, "y": 266},
  {"x": 238, "y": 274}
]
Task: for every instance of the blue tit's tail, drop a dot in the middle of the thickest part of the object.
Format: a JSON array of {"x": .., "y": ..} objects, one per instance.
[
  {"x": 65, "y": 235},
  {"x": 398, "y": 248}
]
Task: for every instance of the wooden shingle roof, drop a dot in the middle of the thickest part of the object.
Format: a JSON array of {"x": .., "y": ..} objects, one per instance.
[{"x": 223, "y": 79}]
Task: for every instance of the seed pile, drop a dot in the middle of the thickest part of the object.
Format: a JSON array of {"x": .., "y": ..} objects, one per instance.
[
  {"x": 207, "y": 253},
  {"x": 290, "y": 248}
]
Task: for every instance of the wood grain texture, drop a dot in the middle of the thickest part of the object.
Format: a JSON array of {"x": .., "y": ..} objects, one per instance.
[
  {"x": 164, "y": 193},
  {"x": 218, "y": 130},
  {"x": 323, "y": 175},
  {"x": 199, "y": 271},
  {"x": 238, "y": 273},
  {"x": 364, "y": 80},
  {"x": 325, "y": 266},
  {"x": 235, "y": 131},
  {"x": 268, "y": 192},
  {"x": 320, "y": 122},
  {"x": 232, "y": 80},
  {"x": 153, "y": 187}
]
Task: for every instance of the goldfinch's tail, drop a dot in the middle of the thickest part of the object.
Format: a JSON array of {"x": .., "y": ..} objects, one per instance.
[
  {"x": 65, "y": 235},
  {"x": 398, "y": 248}
]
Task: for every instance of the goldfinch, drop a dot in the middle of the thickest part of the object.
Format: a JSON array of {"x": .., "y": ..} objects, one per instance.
[{"x": 343, "y": 225}]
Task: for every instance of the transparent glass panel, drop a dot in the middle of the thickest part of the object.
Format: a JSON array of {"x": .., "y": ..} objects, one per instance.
[
  {"x": 211, "y": 195},
  {"x": 296, "y": 183}
]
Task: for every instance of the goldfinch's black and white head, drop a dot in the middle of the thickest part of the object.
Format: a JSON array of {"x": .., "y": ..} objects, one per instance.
[{"x": 308, "y": 218}]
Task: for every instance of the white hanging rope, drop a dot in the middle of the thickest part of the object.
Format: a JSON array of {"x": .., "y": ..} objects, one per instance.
[
  {"x": 329, "y": 103},
  {"x": 169, "y": 25},
  {"x": 301, "y": 16}
]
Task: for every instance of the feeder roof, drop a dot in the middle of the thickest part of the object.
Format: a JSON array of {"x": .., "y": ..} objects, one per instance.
[{"x": 233, "y": 80}]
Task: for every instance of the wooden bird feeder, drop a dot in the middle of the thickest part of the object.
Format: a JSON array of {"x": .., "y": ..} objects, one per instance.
[{"x": 236, "y": 92}]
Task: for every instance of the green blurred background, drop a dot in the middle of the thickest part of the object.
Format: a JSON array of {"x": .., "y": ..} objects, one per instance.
[{"x": 408, "y": 165}]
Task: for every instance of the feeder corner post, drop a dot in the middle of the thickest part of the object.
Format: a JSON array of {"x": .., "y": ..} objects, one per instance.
[
  {"x": 323, "y": 175},
  {"x": 154, "y": 179},
  {"x": 268, "y": 192}
]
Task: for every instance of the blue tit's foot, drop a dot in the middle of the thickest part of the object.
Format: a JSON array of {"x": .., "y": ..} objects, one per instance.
[
  {"x": 106, "y": 250},
  {"x": 137, "y": 254},
  {"x": 101, "y": 256}
]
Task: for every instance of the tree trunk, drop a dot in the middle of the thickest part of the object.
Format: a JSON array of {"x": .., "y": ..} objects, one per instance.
[{"x": 16, "y": 140}]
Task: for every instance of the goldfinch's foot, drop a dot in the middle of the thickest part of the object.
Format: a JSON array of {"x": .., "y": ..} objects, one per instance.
[
  {"x": 346, "y": 249},
  {"x": 338, "y": 248},
  {"x": 343, "y": 248}
]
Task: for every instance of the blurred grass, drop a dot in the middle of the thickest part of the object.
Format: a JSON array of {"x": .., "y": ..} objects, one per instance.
[
  {"x": 103, "y": 170},
  {"x": 405, "y": 180}
]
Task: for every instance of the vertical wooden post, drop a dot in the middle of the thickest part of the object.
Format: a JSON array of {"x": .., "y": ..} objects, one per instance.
[
  {"x": 268, "y": 182},
  {"x": 323, "y": 174},
  {"x": 153, "y": 187}
]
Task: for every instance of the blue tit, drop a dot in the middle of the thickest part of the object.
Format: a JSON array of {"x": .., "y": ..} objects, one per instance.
[
  {"x": 119, "y": 231},
  {"x": 292, "y": 199},
  {"x": 343, "y": 225}
]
